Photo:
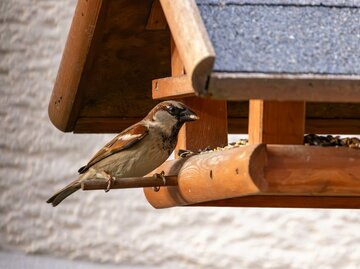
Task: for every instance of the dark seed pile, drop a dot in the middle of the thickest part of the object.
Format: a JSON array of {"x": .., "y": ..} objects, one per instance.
[
  {"x": 309, "y": 140},
  {"x": 331, "y": 141}
]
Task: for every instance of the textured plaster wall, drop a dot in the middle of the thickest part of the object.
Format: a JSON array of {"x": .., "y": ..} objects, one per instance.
[{"x": 120, "y": 227}]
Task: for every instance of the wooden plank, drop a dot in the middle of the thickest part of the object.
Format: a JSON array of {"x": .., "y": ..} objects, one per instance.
[
  {"x": 177, "y": 65},
  {"x": 332, "y": 126},
  {"x": 191, "y": 39},
  {"x": 119, "y": 82},
  {"x": 178, "y": 85},
  {"x": 312, "y": 126},
  {"x": 273, "y": 122},
  {"x": 312, "y": 170},
  {"x": 156, "y": 20},
  {"x": 64, "y": 103},
  {"x": 299, "y": 171},
  {"x": 284, "y": 87},
  {"x": 210, "y": 130},
  {"x": 288, "y": 201},
  {"x": 172, "y": 88},
  {"x": 237, "y": 125},
  {"x": 242, "y": 169}
]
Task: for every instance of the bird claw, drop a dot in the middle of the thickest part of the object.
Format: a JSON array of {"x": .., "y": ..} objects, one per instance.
[
  {"x": 162, "y": 176},
  {"x": 110, "y": 181},
  {"x": 156, "y": 188}
]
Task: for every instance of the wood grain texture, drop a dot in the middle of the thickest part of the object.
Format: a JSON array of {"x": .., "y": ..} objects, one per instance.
[
  {"x": 313, "y": 170},
  {"x": 273, "y": 122},
  {"x": 284, "y": 87},
  {"x": 191, "y": 39},
  {"x": 242, "y": 169},
  {"x": 177, "y": 65},
  {"x": 172, "y": 88},
  {"x": 129, "y": 57},
  {"x": 65, "y": 102},
  {"x": 210, "y": 130},
  {"x": 332, "y": 126},
  {"x": 178, "y": 85},
  {"x": 156, "y": 20},
  {"x": 289, "y": 170}
]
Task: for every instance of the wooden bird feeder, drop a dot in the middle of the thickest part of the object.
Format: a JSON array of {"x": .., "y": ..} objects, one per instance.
[{"x": 273, "y": 69}]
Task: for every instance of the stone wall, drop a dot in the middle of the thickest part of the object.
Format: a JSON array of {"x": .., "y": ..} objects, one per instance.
[{"x": 120, "y": 227}]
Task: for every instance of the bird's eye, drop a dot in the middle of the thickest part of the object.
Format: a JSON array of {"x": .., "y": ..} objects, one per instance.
[{"x": 172, "y": 109}]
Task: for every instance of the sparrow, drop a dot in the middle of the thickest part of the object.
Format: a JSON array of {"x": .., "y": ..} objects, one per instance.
[{"x": 137, "y": 150}]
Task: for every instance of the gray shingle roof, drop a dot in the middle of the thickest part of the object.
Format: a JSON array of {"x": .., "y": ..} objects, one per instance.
[
  {"x": 332, "y": 3},
  {"x": 283, "y": 36}
]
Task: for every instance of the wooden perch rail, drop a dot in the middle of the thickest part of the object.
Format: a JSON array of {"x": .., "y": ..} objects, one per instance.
[
  {"x": 131, "y": 182},
  {"x": 255, "y": 175}
]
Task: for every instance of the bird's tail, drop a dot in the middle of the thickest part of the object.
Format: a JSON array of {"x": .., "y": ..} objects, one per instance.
[{"x": 65, "y": 192}]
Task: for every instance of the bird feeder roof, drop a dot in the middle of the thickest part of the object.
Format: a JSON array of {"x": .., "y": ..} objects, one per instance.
[
  {"x": 280, "y": 36},
  {"x": 274, "y": 50}
]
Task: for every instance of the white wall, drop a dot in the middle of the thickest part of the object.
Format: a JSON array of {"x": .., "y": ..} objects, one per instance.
[{"x": 120, "y": 227}]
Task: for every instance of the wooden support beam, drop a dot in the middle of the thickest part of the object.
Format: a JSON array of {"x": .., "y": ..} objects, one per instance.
[
  {"x": 284, "y": 176},
  {"x": 191, "y": 39},
  {"x": 156, "y": 20},
  {"x": 284, "y": 87},
  {"x": 172, "y": 88},
  {"x": 177, "y": 65},
  {"x": 272, "y": 122},
  {"x": 177, "y": 86},
  {"x": 211, "y": 129}
]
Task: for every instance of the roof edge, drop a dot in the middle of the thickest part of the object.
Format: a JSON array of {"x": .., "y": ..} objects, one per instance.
[
  {"x": 285, "y": 87},
  {"x": 192, "y": 41},
  {"x": 62, "y": 109}
]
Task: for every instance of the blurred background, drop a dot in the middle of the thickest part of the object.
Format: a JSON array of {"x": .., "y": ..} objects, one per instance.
[{"x": 120, "y": 229}]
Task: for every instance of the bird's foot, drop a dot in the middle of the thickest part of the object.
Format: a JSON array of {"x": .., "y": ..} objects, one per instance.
[
  {"x": 162, "y": 176},
  {"x": 109, "y": 178}
]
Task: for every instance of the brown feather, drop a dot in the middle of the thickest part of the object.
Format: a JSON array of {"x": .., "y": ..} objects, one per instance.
[
  {"x": 139, "y": 131},
  {"x": 65, "y": 192}
]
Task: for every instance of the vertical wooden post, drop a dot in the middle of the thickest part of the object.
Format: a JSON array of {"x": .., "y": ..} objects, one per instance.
[
  {"x": 274, "y": 122},
  {"x": 211, "y": 129}
]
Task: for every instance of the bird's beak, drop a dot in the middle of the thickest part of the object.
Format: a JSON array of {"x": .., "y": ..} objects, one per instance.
[{"x": 188, "y": 115}]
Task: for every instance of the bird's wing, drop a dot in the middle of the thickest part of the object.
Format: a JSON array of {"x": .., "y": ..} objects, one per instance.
[{"x": 124, "y": 140}]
